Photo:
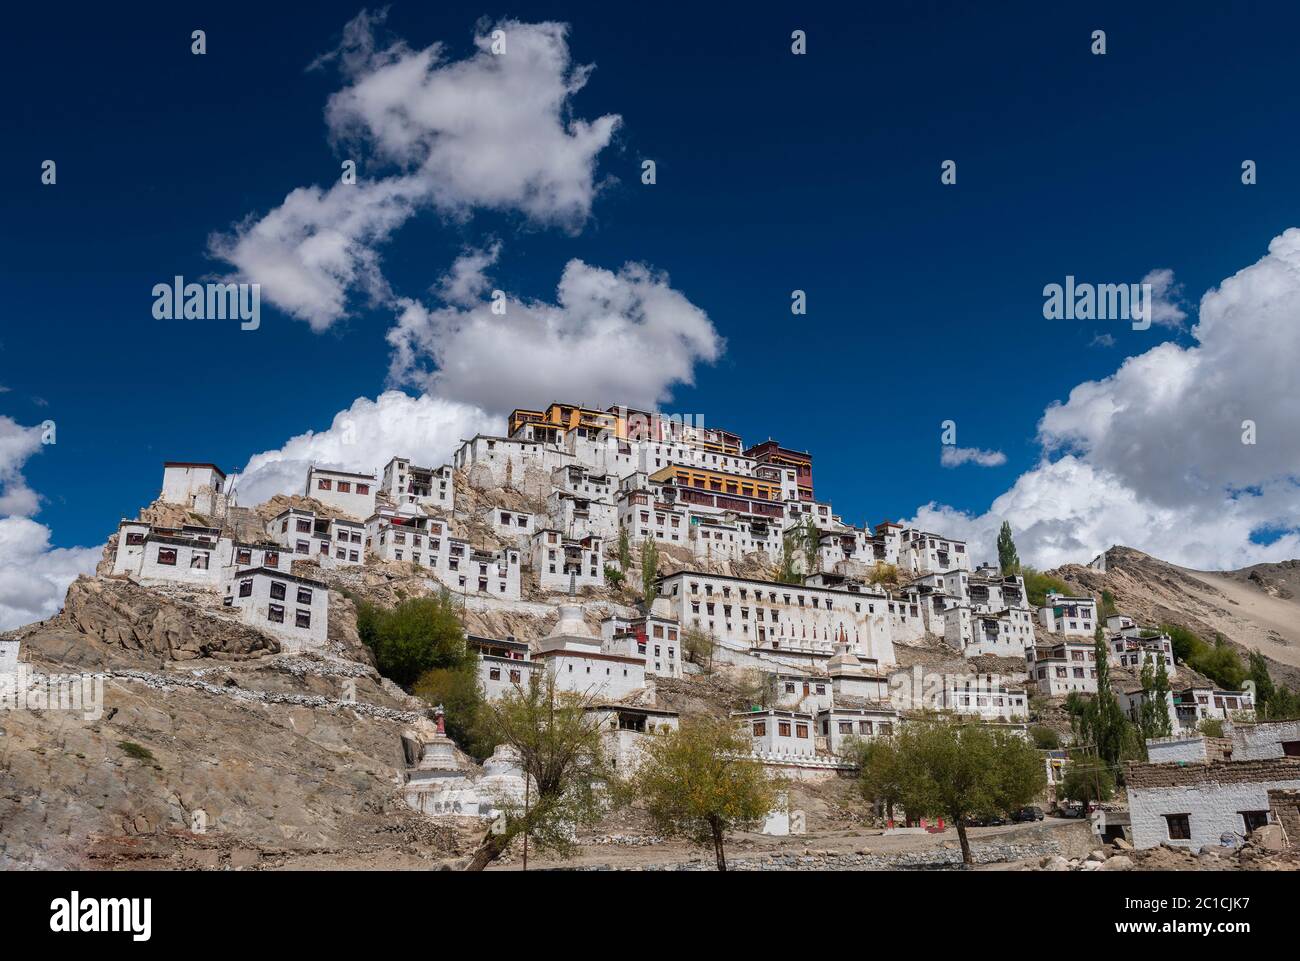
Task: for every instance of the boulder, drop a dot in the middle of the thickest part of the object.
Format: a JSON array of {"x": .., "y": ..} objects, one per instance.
[
  {"x": 1269, "y": 838},
  {"x": 1119, "y": 862}
]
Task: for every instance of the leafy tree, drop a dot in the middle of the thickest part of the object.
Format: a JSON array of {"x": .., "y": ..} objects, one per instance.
[
  {"x": 614, "y": 576},
  {"x": 1100, "y": 721},
  {"x": 415, "y": 636},
  {"x": 884, "y": 573},
  {"x": 943, "y": 767},
  {"x": 1008, "y": 559},
  {"x": 457, "y": 690},
  {"x": 1037, "y": 584},
  {"x": 1045, "y": 739},
  {"x": 559, "y": 746},
  {"x": 624, "y": 549},
  {"x": 1153, "y": 718},
  {"x": 810, "y": 540},
  {"x": 1108, "y": 608},
  {"x": 787, "y": 573},
  {"x": 881, "y": 771},
  {"x": 698, "y": 647},
  {"x": 1086, "y": 780},
  {"x": 756, "y": 689},
  {"x": 1210, "y": 727},
  {"x": 1186, "y": 645},
  {"x": 698, "y": 783},
  {"x": 649, "y": 571}
]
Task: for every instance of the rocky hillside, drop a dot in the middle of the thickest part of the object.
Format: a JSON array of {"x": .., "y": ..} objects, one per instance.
[
  {"x": 293, "y": 761},
  {"x": 1257, "y": 608}
]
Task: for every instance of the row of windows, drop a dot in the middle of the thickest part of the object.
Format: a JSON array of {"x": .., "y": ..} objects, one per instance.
[{"x": 344, "y": 487}]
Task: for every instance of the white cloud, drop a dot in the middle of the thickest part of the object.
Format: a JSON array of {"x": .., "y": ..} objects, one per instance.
[
  {"x": 624, "y": 336},
  {"x": 489, "y": 132},
  {"x": 1103, "y": 340},
  {"x": 956, "y": 456},
  {"x": 363, "y": 438},
  {"x": 1152, "y": 456},
  {"x": 33, "y": 576},
  {"x": 1166, "y": 298}
]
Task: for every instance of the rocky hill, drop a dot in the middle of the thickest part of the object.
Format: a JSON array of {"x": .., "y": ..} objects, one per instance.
[{"x": 1256, "y": 608}]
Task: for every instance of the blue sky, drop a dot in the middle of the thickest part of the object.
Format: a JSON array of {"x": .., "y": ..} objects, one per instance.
[{"x": 775, "y": 172}]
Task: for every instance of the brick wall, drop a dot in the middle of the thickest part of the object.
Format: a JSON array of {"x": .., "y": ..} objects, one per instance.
[{"x": 1284, "y": 808}]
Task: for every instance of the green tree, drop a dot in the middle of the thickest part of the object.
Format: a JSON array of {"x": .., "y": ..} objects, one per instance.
[
  {"x": 698, "y": 647},
  {"x": 1086, "y": 780},
  {"x": 559, "y": 746},
  {"x": 810, "y": 540},
  {"x": 1045, "y": 739},
  {"x": 1008, "y": 559},
  {"x": 614, "y": 576},
  {"x": 1108, "y": 608},
  {"x": 417, "y": 635},
  {"x": 649, "y": 571},
  {"x": 787, "y": 574},
  {"x": 457, "y": 690},
  {"x": 1037, "y": 584},
  {"x": 958, "y": 771},
  {"x": 880, "y": 777},
  {"x": 624, "y": 549},
  {"x": 1100, "y": 720},
  {"x": 1153, "y": 718},
  {"x": 698, "y": 783}
]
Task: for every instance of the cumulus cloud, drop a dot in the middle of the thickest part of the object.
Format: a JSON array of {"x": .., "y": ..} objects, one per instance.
[
  {"x": 1153, "y": 455},
  {"x": 363, "y": 438},
  {"x": 33, "y": 576},
  {"x": 1166, "y": 298},
  {"x": 956, "y": 456},
  {"x": 624, "y": 336},
  {"x": 487, "y": 132}
]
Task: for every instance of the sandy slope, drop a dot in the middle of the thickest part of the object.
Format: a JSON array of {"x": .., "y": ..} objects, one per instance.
[{"x": 1253, "y": 618}]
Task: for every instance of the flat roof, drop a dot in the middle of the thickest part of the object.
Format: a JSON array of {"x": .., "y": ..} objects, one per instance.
[{"x": 187, "y": 463}]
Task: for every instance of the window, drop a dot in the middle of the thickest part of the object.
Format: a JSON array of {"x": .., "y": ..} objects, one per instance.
[
  {"x": 1253, "y": 819},
  {"x": 246, "y": 588},
  {"x": 783, "y": 728},
  {"x": 275, "y": 614},
  {"x": 167, "y": 556},
  {"x": 846, "y": 727},
  {"x": 244, "y": 557},
  {"x": 494, "y": 673},
  {"x": 1180, "y": 826},
  {"x": 134, "y": 538},
  {"x": 345, "y": 487},
  {"x": 1291, "y": 748},
  {"x": 304, "y": 526},
  {"x": 324, "y": 485},
  {"x": 363, "y": 489},
  {"x": 272, "y": 559},
  {"x": 303, "y": 547},
  {"x": 199, "y": 561},
  {"x": 304, "y": 595},
  {"x": 304, "y": 618},
  {"x": 760, "y": 729},
  {"x": 277, "y": 590},
  {"x": 801, "y": 730}
]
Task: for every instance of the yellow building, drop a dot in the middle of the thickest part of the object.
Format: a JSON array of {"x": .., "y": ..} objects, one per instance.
[{"x": 718, "y": 482}]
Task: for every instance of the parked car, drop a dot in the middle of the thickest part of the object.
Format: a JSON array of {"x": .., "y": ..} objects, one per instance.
[
  {"x": 1030, "y": 813},
  {"x": 985, "y": 821},
  {"x": 1070, "y": 811}
]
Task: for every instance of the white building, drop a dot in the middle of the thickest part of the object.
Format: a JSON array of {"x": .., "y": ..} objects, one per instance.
[
  {"x": 1071, "y": 616},
  {"x": 1058, "y": 669},
  {"x": 922, "y": 552},
  {"x": 427, "y": 543},
  {"x": 795, "y": 625},
  {"x": 1005, "y": 633},
  {"x": 294, "y": 609},
  {"x": 580, "y": 516},
  {"x": 514, "y": 527},
  {"x": 194, "y": 486},
  {"x": 586, "y": 664},
  {"x": 626, "y": 731},
  {"x": 9, "y": 657},
  {"x": 330, "y": 541},
  {"x": 1266, "y": 739},
  {"x": 778, "y": 732},
  {"x": 1191, "y": 805},
  {"x": 1132, "y": 650},
  {"x": 840, "y": 726},
  {"x": 411, "y": 488},
  {"x": 503, "y": 665},
  {"x": 351, "y": 493},
  {"x": 654, "y": 636},
  {"x": 558, "y": 559},
  {"x": 160, "y": 555}
]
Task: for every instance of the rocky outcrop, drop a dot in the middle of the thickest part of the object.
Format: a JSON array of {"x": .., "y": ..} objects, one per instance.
[{"x": 136, "y": 620}]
